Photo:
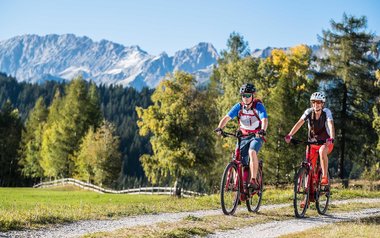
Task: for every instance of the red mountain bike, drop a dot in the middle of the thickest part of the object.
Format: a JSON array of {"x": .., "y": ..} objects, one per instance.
[
  {"x": 307, "y": 184},
  {"x": 234, "y": 185}
]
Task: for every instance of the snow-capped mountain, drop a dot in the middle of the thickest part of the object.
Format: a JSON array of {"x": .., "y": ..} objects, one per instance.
[{"x": 34, "y": 58}]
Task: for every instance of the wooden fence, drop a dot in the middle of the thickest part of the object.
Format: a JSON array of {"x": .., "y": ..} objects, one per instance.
[{"x": 143, "y": 190}]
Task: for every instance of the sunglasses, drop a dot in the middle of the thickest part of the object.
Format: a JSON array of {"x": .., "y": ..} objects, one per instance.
[
  {"x": 317, "y": 102},
  {"x": 246, "y": 95}
]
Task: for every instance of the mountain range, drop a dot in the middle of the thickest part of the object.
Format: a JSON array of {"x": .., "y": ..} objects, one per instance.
[{"x": 34, "y": 58}]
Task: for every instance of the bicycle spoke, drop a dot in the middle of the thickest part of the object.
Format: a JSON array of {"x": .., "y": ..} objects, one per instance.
[
  {"x": 230, "y": 189},
  {"x": 323, "y": 197},
  {"x": 301, "y": 192},
  {"x": 254, "y": 201}
]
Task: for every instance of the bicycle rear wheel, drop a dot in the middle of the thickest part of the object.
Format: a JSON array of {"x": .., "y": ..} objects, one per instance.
[
  {"x": 230, "y": 189},
  {"x": 301, "y": 192},
  {"x": 323, "y": 196},
  {"x": 255, "y": 196}
]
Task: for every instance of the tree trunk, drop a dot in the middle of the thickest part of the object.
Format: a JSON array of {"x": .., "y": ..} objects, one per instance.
[
  {"x": 177, "y": 188},
  {"x": 343, "y": 135},
  {"x": 278, "y": 172}
]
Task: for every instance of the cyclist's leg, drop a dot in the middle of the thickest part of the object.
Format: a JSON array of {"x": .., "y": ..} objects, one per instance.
[
  {"x": 314, "y": 150},
  {"x": 313, "y": 159},
  {"x": 323, "y": 152},
  {"x": 324, "y": 160},
  {"x": 254, "y": 149},
  {"x": 244, "y": 147},
  {"x": 253, "y": 163}
]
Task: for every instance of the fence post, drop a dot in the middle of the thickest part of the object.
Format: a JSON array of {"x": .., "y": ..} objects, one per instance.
[{"x": 177, "y": 188}]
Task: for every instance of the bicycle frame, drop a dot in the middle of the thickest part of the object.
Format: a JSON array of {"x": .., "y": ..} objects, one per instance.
[
  {"x": 312, "y": 171},
  {"x": 235, "y": 180},
  {"x": 309, "y": 187},
  {"x": 237, "y": 160}
]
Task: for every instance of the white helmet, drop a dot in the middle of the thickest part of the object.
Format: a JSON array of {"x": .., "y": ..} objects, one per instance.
[{"x": 319, "y": 96}]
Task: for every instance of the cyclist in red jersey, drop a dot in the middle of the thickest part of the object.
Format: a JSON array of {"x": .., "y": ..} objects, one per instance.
[
  {"x": 321, "y": 127},
  {"x": 252, "y": 119}
]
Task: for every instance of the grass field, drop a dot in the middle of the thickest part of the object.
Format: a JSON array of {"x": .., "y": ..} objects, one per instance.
[
  {"x": 360, "y": 228},
  {"x": 31, "y": 208}
]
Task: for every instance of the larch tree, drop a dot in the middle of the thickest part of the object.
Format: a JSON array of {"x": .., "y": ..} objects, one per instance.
[
  {"x": 51, "y": 142},
  {"x": 287, "y": 90},
  {"x": 98, "y": 160},
  {"x": 179, "y": 122},
  {"x": 77, "y": 111}
]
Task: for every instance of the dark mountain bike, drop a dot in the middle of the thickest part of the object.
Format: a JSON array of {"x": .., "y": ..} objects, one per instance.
[
  {"x": 234, "y": 185},
  {"x": 307, "y": 184}
]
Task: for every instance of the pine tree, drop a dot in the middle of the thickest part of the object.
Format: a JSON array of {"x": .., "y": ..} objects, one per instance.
[
  {"x": 32, "y": 141},
  {"x": 94, "y": 113},
  {"x": 376, "y": 112},
  {"x": 10, "y": 137},
  {"x": 349, "y": 74},
  {"x": 237, "y": 48}
]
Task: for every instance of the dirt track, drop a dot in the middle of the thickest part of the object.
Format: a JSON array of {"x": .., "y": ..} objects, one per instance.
[{"x": 271, "y": 229}]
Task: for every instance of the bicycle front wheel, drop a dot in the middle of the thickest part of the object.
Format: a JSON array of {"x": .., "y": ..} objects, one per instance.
[
  {"x": 255, "y": 196},
  {"x": 323, "y": 196},
  {"x": 230, "y": 189},
  {"x": 301, "y": 192}
]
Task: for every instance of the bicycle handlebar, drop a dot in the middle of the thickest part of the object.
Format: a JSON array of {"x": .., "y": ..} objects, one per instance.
[
  {"x": 238, "y": 134},
  {"x": 296, "y": 142}
]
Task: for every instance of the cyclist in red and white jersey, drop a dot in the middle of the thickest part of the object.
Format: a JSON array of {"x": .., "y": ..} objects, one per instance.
[
  {"x": 321, "y": 128},
  {"x": 252, "y": 119}
]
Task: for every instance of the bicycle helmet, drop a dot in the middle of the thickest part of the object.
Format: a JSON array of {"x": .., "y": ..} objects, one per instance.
[
  {"x": 319, "y": 96},
  {"x": 247, "y": 88}
]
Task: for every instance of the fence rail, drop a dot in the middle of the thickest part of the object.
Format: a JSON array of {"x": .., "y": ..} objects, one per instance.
[{"x": 142, "y": 190}]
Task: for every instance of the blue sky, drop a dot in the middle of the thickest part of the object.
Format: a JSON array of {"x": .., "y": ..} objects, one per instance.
[{"x": 172, "y": 25}]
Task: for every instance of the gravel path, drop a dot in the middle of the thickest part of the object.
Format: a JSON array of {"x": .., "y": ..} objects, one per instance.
[
  {"x": 277, "y": 228},
  {"x": 84, "y": 227}
]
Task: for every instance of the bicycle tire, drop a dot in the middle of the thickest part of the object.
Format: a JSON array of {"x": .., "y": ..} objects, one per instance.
[
  {"x": 301, "y": 192},
  {"x": 230, "y": 189},
  {"x": 323, "y": 196},
  {"x": 255, "y": 197}
]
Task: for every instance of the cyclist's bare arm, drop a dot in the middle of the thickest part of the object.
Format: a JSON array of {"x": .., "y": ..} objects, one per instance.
[
  {"x": 296, "y": 127},
  {"x": 264, "y": 124},
  {"x": 330, "y": 124},
  {"x": 224, "y": 121}
]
